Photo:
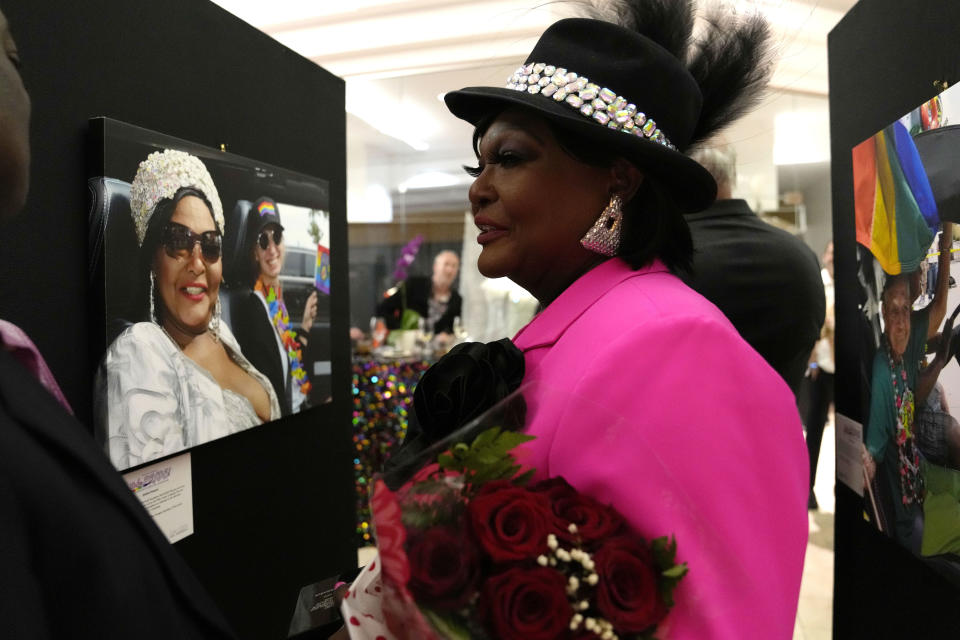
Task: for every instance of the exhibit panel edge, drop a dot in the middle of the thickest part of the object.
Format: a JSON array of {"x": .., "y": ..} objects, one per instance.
[
  {"x": 884, "y": 60},
  {"x": 191, "y": 70}
]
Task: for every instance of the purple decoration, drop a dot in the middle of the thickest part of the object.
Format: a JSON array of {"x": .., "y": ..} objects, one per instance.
[{"x": 407, "y": 255}]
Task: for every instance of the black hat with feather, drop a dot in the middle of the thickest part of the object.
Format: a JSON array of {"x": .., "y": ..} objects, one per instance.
[{"x": 630, "y": 86}]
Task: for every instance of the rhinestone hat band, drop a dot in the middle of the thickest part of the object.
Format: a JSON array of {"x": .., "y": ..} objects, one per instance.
[{"x": 592, "y": 101}]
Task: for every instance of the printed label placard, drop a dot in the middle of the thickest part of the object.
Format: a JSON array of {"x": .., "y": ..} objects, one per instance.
[{"x": 166, "y": 491}]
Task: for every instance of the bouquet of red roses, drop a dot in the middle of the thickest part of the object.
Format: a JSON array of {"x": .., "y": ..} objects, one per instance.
[{"x": 468, "y": 548}]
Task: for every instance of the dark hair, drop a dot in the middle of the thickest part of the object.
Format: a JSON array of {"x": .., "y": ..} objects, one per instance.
[
  {"x": 151, "y": 241},
  {"x": 653, "y": 224}
]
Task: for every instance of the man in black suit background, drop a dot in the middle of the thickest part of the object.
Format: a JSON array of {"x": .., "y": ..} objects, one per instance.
[
  {"x": 435, "y": 299},
  {"x": 765, "y": 280}
]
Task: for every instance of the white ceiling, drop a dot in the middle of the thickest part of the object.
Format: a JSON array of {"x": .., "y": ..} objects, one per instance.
[{"x": 399, "y": 56}]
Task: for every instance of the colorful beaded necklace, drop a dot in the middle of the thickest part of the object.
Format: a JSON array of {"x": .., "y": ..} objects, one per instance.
[
  {"x": 911, "y": 482},
  {"x": 281, "y": 320}
]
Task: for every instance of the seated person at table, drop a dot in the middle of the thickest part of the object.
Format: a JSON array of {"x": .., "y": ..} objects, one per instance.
[{"x": 435, "y": 299}]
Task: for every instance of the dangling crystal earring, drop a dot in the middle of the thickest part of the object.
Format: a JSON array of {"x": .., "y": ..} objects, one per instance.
[
  {"x": 153, "y": 313},
  {"x": 215, "y": 322},
  {"x": 604, "y": 235}
]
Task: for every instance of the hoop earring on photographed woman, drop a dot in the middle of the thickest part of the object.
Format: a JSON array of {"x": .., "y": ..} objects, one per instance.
[
  {"x": 604, "y": 236},
  {"x": 153, "y": 312},
  {"x": 215, "y": 322}
]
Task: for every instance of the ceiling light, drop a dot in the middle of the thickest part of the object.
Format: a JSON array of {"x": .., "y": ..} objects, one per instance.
[
  {"x": 398, "y": 119},
  {"x": 801, "y": 137},
  {"x": 428, "y": 180},
  {"x": 373, "y": 204}
]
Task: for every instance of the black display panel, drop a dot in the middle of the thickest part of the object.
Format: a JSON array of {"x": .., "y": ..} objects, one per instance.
[
  {"x": 273, "y": 507},
  {"x": 886, "y": 59}
]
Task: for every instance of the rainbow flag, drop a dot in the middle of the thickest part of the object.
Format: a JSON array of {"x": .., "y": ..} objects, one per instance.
[
  {"x": 266, "y": 208},
  {"x": 322, "y": 273},
  {"x": 895, "y": 211}
]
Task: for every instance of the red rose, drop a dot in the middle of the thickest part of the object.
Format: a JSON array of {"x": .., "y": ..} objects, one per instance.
[
  {"x": 555, "y": 488},
  {"x": 423, "y": 475},
  {"x": 510, "y": 522},
  {"x": 526, "y": 604},
  {"x": 444, "y": 567},
  {"x": 595, "y": 522},
  {"x": 431, "y": 489},
  {"x": 627, "y": 594}
]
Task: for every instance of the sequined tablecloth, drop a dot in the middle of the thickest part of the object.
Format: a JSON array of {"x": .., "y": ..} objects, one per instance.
[{"x": 382, "y": 399}]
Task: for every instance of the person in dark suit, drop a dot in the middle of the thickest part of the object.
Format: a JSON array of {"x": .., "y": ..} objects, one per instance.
[
  {"x": 434, "y": 298},
  {"x": 765, "y": 280},
  {"x": 80, "y": 556}
]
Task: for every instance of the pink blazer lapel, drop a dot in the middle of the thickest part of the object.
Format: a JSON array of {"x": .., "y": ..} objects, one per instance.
[{"x": 547, "y": 326}]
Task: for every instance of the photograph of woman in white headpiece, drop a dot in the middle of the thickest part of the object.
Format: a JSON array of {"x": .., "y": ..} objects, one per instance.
[{"x": 179, "y": 379}]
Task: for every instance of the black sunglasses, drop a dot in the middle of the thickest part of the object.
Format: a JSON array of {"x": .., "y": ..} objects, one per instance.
[
  {"x": 264, "y": 238},
  {"x": 178, "y": 241}
]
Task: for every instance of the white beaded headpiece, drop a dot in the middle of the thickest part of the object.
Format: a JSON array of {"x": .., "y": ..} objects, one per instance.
[
  {"x": 160, "y": 176},
  {"x": 591, "y": 100}
]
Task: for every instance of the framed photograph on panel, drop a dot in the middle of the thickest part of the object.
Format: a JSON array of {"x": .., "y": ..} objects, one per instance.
[
  {"x": 216, "y": 292},
  {"x": 906, "y": 181}
]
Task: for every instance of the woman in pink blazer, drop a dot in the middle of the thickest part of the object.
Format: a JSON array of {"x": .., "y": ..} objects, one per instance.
[{"x": 643, "y": 395}]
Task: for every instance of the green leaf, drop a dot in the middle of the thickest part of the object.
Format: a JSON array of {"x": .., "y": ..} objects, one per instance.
[
  {"x": 524, "y": 478},
  {"x": 671, "y": 577},
  {"x": 676, "y": 571},
  {"x": 664, "y": 555},
  {"x": 489, "y": 472},
  {"x": 511, "y": 439},
  {"x": 410, "y": 320},
  {"x": 487, "y": 458},
  {"x": 664, "y": 551},
  {"x": 485, "y": 439},
  {"x": 448, "y": 625}
]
